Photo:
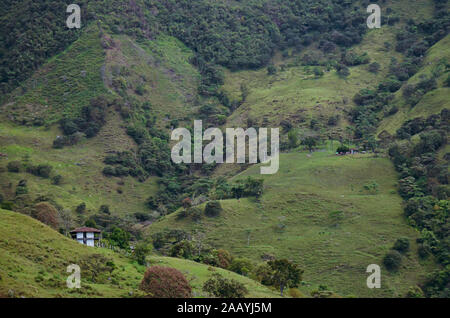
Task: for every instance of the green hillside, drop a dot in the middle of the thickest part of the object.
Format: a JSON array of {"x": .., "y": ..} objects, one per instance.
[
  {"x": 316, "y": 212},
  {"x": 86, "y": 118},
  {"x": 34, "y": 258},
  {"x": 436, "y": 62}
]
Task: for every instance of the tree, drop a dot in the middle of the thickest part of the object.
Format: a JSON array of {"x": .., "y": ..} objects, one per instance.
[
  {"x": 47, "y": 214},
  {"x": 271, "y": 69},
  {"x": 285, "y": 274},
  {"x": 310, "y": 142},
  {"x": 392, "y": 260},
  {"x": 401, "y": 245},
  {"x": 242, "y": 266},
  {"x": 141, "y": 250},
  {"x": 292, "y": 139},
  {"x": 90, "y": 223},
  {"x": 165, "y": 282},
  {"x": 224, "y": 258},
  {"x": 14, "y": 166},
  {"x": 65, "y": 220},
  {"x": 374, "y": 67},
  {"x": 218, "y": 286},
  {"x": 213, "y": 208},
  {"x": 119, "y": 237}
]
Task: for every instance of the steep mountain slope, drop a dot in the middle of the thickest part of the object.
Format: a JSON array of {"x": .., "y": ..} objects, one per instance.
[{"x": 436, "y": 62}]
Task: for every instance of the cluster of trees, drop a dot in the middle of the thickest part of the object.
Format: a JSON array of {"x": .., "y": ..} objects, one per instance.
[
  {"x": 280, "y": 273},
  {"x": 413, "y": 41},
  {"x": 89, "y": 122},
  {"x": 173, "y": 189},
  {"x": 249, "y": 187},
  {"x": 122, "y": 164},
  {"x": 424, "y": 184}
]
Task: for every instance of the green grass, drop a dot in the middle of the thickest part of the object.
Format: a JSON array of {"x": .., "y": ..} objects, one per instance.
[
  {"x": 29, "y": 250},
  {"x": 80, "y": 166},
  {"x": 292, "y": 220},
  {"x": 34, "y": 259}
]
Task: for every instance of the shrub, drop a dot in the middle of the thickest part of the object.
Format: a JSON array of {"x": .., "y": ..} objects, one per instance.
[
  {"x": 218, "y": 286},
  {"x": 47, "y": 214},
  {"x": 183, "y": 249},
  {"x": 90, "y": 223},
  {"x": 196, "y": 214},
  {"x": 104, "y": 209},
  {"x": 6, "y": 205},
  {"x": 295, "y": 293},
  {"x": 14, "y": 166},
  {"x": 213, "y": 208},
  {"x": 342, "y": 149},
  {"x": 42, "y": 170},
  {"x": 81, "y": 208},
  {"x": 271, "y": 69},
  {"x": 165, "y": 282},
  {"x": 56, "y": 180},
  {"x": 109, "y": 171},
  {"x": 401, "y": 245},
  {"x": 374, "y": 67},
  {"x": 392, "y": 260}
]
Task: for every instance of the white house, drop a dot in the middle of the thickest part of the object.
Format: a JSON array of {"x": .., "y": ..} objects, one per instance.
[{"x": 86, "y": 235}]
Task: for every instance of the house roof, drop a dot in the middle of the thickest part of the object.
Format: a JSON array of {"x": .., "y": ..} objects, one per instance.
[{"x": 85, "y": 229}]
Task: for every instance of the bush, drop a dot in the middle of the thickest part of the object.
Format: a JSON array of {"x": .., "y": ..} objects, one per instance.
[
  {"x": 165, "y": 282},
  {"x": 119, "y": 237},
  {"x": 401, "y": 245},
  {"x": 90, "y": 223},
  {"x": 42, "y": 170},
  {"x": 342, "y": 149},
  {"x": 109, "y": 171},
  {"x": 47, "y": 214},
  {"x": 374, "y": 67},
  {"x": 104, "y": 209},
  {"x": 213, "y": 208},
  {"x": 56, "y": 180},
  {"x": 195, "y": 214},
  {"x": 14, "y": 166},
  {"x": 81, "y": 208},
  {"x": 242, "y": 266},
  {"x": 295, "y": 293},
  {"x": 141, "y": 250},
  {"x": 392, "y": 260},
  {"x": 223, "y": 257},
  {"x": 218, "y": 286}
]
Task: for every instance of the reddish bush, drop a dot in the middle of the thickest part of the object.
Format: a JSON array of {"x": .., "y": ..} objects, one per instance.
[
  {"x": 224, "y": 258},
  {"x": 165, "y": 282},
  {"x": 47, "y": 214}
]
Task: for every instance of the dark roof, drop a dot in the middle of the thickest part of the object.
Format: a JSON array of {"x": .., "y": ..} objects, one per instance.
[{"x": 85, "y": 229}]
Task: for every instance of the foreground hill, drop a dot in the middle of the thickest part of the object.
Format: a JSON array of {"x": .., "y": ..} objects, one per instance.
[
  {"x": 316, "y": 212},
  {"x": 34, "y": 258}
]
